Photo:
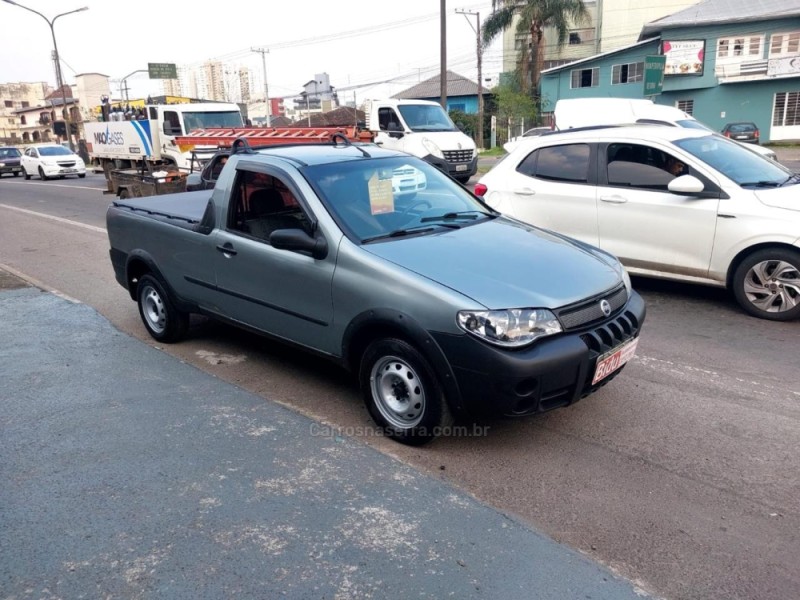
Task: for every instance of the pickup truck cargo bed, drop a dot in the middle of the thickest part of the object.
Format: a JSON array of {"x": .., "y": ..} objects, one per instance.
[{"x": 184, "y": 210}]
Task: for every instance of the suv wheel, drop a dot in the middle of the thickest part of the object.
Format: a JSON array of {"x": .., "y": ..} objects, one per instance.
[
  {"x": 767, "y": 284},
  {"x": 401, "y": 392}
]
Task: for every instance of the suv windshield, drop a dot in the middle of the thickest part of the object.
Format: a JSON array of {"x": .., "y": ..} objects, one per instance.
[
  {"x": 426, "y": 117},
  {"x": 201, "y": 120},
  {"x": 54, "y": 151},
  {"x": 385, "y": 198},
  {"x": 9, "y": 153},
  {"x": 739, "y": 164}
]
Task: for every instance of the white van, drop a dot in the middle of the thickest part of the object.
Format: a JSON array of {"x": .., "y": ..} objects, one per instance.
[{"x": 587, "y": 112}]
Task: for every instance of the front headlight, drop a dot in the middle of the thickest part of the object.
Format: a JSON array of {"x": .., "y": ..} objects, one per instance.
[
  {"x": 431, "y": 147},
  {"x": 626, "y": 279},
  {"x": 2, "y": 164},
  {"x": 509, "y": 328}
]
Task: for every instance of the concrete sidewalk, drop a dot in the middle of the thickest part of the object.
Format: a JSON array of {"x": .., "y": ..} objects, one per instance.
[{"x": 127, "y": 473}]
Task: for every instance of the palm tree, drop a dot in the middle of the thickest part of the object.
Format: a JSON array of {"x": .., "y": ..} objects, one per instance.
[{"x": 534, "y": 16}]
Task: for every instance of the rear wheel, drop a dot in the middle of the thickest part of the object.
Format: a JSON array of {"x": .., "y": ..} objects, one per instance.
[
  {"x": 402, "y": 393},
  {"x": 767, "y": 284},
  {"x": 81, "y": 175},
  {"x": 161, "y": 318},
  {"x": 26, "y": 174}
]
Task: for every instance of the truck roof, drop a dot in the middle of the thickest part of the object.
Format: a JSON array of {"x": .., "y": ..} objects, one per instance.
[{"x": 320, "y": 154}]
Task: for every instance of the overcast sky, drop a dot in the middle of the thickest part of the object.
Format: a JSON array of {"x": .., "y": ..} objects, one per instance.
[{"x": 355, "y": 41}]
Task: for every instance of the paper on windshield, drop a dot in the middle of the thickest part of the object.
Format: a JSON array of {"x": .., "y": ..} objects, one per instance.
[{"x": 381, "y": 199}]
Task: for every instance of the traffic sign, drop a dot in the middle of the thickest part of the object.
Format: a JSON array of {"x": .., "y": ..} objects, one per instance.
[
  {"x": 654, "y": 74},
  {"x": 162, "y": 70}
]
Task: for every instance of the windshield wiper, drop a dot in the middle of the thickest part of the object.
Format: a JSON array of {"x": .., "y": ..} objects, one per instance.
[
  {"x": 760, "y": 184},
  {"x": 793, "y": 176},
  {"x": 408, "y": 231},
  {"x": 464, "y": 214}
]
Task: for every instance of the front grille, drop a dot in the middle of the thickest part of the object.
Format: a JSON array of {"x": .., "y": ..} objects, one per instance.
[
  {"x": 402, "y": 172},
  {"x": 457, "y": 156},
  {"x": 588, "y": 311},
  {"x": 66, "y": 164},
  {"x": 609, "y": 335}
]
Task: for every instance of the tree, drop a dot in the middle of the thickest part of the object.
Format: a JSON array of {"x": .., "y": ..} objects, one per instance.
[{"x": 534, "y": 16}]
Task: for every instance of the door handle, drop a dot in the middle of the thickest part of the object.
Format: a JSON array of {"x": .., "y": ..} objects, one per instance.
[
  {"x": 614, "y": 199},
  {"x": 525, "y": 192},
  {"x": 227, "y": 249}
]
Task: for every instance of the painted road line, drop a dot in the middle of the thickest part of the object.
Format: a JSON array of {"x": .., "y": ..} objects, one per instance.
[
  {"x": 54, "y": 218},
  {"x": 72, "y": 187}
]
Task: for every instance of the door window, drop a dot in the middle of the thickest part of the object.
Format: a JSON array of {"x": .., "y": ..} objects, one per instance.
[
  {"x": 388, "y": 120},
  {"x": 172, "y": 123},
  {"x": 643, "y": 167},
  {"x": 567, "y": 163},
  {"x": 262, "y": 204}
]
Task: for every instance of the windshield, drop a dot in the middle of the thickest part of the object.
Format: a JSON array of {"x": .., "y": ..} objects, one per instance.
[
  {"x": 385, "y": 198},
  {"x": 426, "y": 117},
  {"x": 55, "y": 151},
  {"x": 9, "y": 153},
  {"x": 202, "y": 120},
  {"x": 692, "y": 124},
  {"x": 736, "y": 162}
]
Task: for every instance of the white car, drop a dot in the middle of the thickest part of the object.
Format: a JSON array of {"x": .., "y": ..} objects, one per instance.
[
  {"x": 51, "y": 160},
  {"x": 673, "y": 203}
]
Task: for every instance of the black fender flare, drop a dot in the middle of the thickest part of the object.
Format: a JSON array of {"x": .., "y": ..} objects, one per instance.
[{"x": 383, "y": 322}]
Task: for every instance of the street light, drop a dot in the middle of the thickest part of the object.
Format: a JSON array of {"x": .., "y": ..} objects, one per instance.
[{"x": 58, "y": 60}]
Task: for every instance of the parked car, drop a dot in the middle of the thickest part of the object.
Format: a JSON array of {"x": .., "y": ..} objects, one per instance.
[
  {"x": 674, "y": 203},
  {"x": 10, "y": 161},
  {"x": 50, "y": 161},
  {"x": 532, "y": 132},
  {"x": 741, "y": 132},
  {"x": 438, "y": 303}
]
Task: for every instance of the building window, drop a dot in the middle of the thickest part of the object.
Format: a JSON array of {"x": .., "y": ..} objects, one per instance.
[
  {"x": 786, "y": 111},
  {"x": 784, "y": 44},
  {"x": 22, "y": 120},
  {"x": 26, "y": 104},
  {"x": 686, "y": 106},
  {"x": 9, "y": 104},
  {"x": 10, "y": 121},
  {"x": 574, "y": 39},
  {"x": 738, "y": 47},
  {"x": 627, "y": 73},
  {"x": 583, "y": 78}
]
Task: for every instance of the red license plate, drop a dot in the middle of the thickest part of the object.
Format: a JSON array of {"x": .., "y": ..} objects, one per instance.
[{"x": 613, "y": 360}]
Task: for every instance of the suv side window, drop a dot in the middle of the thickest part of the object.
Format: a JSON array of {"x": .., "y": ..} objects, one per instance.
[
  {"x": 568, "y": 163},
  {"x": 262, "y": 204},
  {"x": 642, "y": 167}
]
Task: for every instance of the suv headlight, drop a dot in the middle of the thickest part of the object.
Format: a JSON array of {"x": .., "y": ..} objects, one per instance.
[
  {"x": 432, "y": 148},
  {"x": 510, "y": 328}
]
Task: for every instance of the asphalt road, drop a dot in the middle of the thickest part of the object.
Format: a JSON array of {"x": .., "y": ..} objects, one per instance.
[{"x": 681, "y": 475}]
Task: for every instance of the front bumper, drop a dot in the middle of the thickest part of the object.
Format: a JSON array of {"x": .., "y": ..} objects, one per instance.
[
  {"x": 10, "y": 169},
  {"x": 554, "y": 372},
  {"x": 454, "y": 169},
  {"x": 52, "y": 171}
]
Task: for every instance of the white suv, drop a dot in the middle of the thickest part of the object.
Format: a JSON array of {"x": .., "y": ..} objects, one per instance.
[
  {"x": 51, "y": 160},
  {"x": 669, "y": 202}
]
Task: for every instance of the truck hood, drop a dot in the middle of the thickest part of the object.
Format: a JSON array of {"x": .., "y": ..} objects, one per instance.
[
  {"x": 505, "y": 264},
  {"x": 448, "y": 140},
  {"x": 784, "y": 197}
]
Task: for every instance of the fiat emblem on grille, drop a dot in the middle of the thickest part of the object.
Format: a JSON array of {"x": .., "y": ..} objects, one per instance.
[{"x": 605, "y": 307}]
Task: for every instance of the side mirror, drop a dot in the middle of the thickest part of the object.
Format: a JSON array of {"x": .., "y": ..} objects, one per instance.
[
  {"x": 686, "y": 185},
  {"x": 194, "y": 180},
  {"x": 298, "y": 240}
]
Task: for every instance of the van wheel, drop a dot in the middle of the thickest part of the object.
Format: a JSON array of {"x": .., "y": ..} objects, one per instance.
[
  {"x": 163, "y": 321},
  {"x": 767, "y": 284},
  {"x": 402, "y": 393},
  {"x": 123, "y": 194}
]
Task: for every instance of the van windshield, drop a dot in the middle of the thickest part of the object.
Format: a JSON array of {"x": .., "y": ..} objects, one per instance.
[
  {"x": 692, "y": 124},
  {"x": 201, "y": 120},
  {"x": 426, "y": 117}
]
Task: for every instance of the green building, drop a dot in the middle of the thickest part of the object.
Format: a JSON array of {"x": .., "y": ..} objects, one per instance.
[{"x": 726, "y": 61}]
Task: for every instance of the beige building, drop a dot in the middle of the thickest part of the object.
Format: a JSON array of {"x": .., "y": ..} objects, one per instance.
[
  {"x": 89, "y": 88},
  {"x": 611, "y": 24},
  {"x": 14, "y": 97}
]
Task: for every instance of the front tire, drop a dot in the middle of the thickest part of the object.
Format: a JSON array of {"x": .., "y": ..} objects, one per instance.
[
  {"x": 81, "y": 175},
  {"x": 163, "y": 321},
  {"x": 26, "y": 174},
  {"x": 463, "y": 179},
  {"x": 402, "y": 393},
  {"x": 42, "y": 176},
  {"x": 767, "y": 284}
]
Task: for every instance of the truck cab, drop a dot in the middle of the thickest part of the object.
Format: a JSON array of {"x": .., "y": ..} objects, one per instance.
[{"x": 423, "y": 129}]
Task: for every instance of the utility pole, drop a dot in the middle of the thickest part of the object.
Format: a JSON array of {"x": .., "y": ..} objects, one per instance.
[
  {"x": 60, "y": 79},
  {"x": 480, "y": 72},
  {"x": 443, "y": 58},
  {"x": 263, "y": 52}
]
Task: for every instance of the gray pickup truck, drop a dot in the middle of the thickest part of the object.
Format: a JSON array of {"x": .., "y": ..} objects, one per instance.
[{"x": 440, "y": 305}]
